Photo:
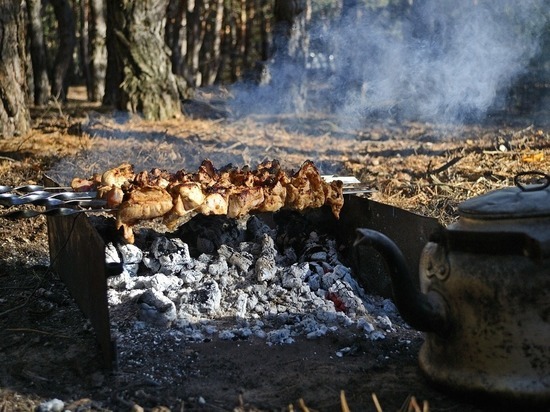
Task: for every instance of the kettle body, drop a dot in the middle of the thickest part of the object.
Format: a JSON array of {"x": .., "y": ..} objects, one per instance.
[{"x": 497, "y": 337}]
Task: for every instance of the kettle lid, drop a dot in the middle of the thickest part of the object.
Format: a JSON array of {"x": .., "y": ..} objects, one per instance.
[{"x": 522, "y": 201}]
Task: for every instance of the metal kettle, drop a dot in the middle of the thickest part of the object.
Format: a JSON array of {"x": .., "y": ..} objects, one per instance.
[{"x": 484, "y": 299}]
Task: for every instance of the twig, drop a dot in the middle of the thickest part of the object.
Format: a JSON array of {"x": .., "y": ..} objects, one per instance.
[
  {"x": 376, "y": 403},
  {"x": 450, "y": 163},
  {"x": 7, "y": 159},
  {"x": 21, "y": 305},
  {"x": 303, "y": 406},
  {"x": 43, "y": 332},
  {"x": 413, "y": 405},
  {"x": 344, "y": 402}
]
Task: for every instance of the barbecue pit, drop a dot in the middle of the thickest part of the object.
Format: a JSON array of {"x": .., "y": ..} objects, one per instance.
[{"x": 270, "y": 276}]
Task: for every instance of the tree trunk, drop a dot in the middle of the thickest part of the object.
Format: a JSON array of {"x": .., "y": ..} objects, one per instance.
[
  {"x": 140, "y": 77},
  {"x": 84, "y": 45},
  {"x": 250, "y": 12},
  {"x": 176, "y": 35},
  {"x": 66, "y": 32},
  {"x": 195, "y": 36},
  {"x": 350, "y": 10},
  {"x": 98, "y": 63},
  {"x": 265, "y": 32},
  {"x": 212, "y": 42},
  {"x": 230, "y": 44},
  {"x": 38, "y": 53},
  {"x": 291, "y": 43},
  {"x": 14, "y": 113}
]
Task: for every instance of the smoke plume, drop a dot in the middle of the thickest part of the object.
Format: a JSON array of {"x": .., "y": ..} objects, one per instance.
[{"x": 440, "y": 60}]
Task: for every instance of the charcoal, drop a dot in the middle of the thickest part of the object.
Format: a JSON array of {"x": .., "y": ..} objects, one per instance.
[
  {"x": 211, "y": 232},
  {"x": 303, "y": 290},
  {"x": 385, "y": 322},
  {"x": 241, "y": 306},
  {"x": 122, "y": 281},
  {"x": 256, "y": 229},
  {"x": 53, "y": 405},
  {"x": 365, "y": 325},
  {"x": 156, "y": 309},
  {"x": 113, "y": 297},
  {"x": 205, "y": 299},
  {"x": 319, "y": 256},
  {"x": 240, "y": 260},
  {"x": 218, "y": 267},
  {"x": 226, "y": 335},
  {"x": 293, "y": 277},
  {"x": 131, "y": 258},
  {"x": 279, "y": 336},
  {"x": 168, "y": 256},
  {"x": 317, "y": 331},
  {"x": 161, "y": 282},
  {"x": 191, "y": 276},
  {"x": 287, "y": 258},
  {"x": 151, "y": 263},
  {"x": 265, "y": 268},
  {"x": 111, "y": 254},
  {"x": 252, "y": 301},
  {"x": 389, "y": 307},
  {"x": 314, "y": 282}
]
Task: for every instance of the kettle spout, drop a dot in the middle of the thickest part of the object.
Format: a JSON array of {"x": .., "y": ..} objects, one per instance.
[{"x": 425, "y": 312}]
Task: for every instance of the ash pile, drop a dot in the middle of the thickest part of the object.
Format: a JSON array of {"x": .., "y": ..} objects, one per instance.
[{"x": 239, "y": 279}]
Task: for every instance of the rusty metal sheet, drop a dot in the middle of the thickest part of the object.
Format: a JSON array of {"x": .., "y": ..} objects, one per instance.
[{"x": 77, "y": 253}]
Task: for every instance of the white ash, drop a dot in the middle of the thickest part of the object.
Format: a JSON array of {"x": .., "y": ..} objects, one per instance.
[
  {"x": 53, "y": 405},
  {"x": 238, "y": 288}
]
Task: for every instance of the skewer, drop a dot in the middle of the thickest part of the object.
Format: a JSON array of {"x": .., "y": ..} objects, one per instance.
[{"x": 31, "y": 188}]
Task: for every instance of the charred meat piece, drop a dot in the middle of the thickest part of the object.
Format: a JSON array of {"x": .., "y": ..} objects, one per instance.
[
  {"x": 334, "y": 197},
  {"x": 274, "y": 197}
]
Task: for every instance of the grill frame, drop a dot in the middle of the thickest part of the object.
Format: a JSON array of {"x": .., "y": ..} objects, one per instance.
[{"x": 77, "y": 254}]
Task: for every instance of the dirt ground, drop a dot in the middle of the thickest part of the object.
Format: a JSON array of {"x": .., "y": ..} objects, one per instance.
[{"x": 48, "y": 349}]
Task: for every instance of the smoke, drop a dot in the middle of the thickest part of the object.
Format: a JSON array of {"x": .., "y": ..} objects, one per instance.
[{"x": 438, "y": 60}]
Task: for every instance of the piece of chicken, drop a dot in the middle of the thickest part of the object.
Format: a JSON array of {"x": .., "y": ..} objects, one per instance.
[
  {"x": 215, "y": 203},
  {"x": 187, "y": 197},
  {"x": 142, "y": 203},
  {"x": 305, "y": 189},
  {"x": 86, "y": 185},
  {"x": 274, "y": 198},
  {"x": 118, "y": 176},
  {"x": 243, "y": 200},
  {"x": 334, "y": 197}
]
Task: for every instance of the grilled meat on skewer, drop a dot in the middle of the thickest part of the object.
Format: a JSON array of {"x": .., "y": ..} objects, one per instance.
[{"x": 229, "y": 191}]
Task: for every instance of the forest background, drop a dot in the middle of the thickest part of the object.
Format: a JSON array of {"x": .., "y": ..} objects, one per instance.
[{"x": 149, "y": 56}]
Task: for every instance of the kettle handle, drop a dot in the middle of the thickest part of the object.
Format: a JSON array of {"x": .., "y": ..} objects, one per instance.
[{"x": 426, "y": 312}]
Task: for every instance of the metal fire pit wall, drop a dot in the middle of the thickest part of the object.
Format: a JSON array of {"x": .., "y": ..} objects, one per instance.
[{"x": 77, "y": 253}]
